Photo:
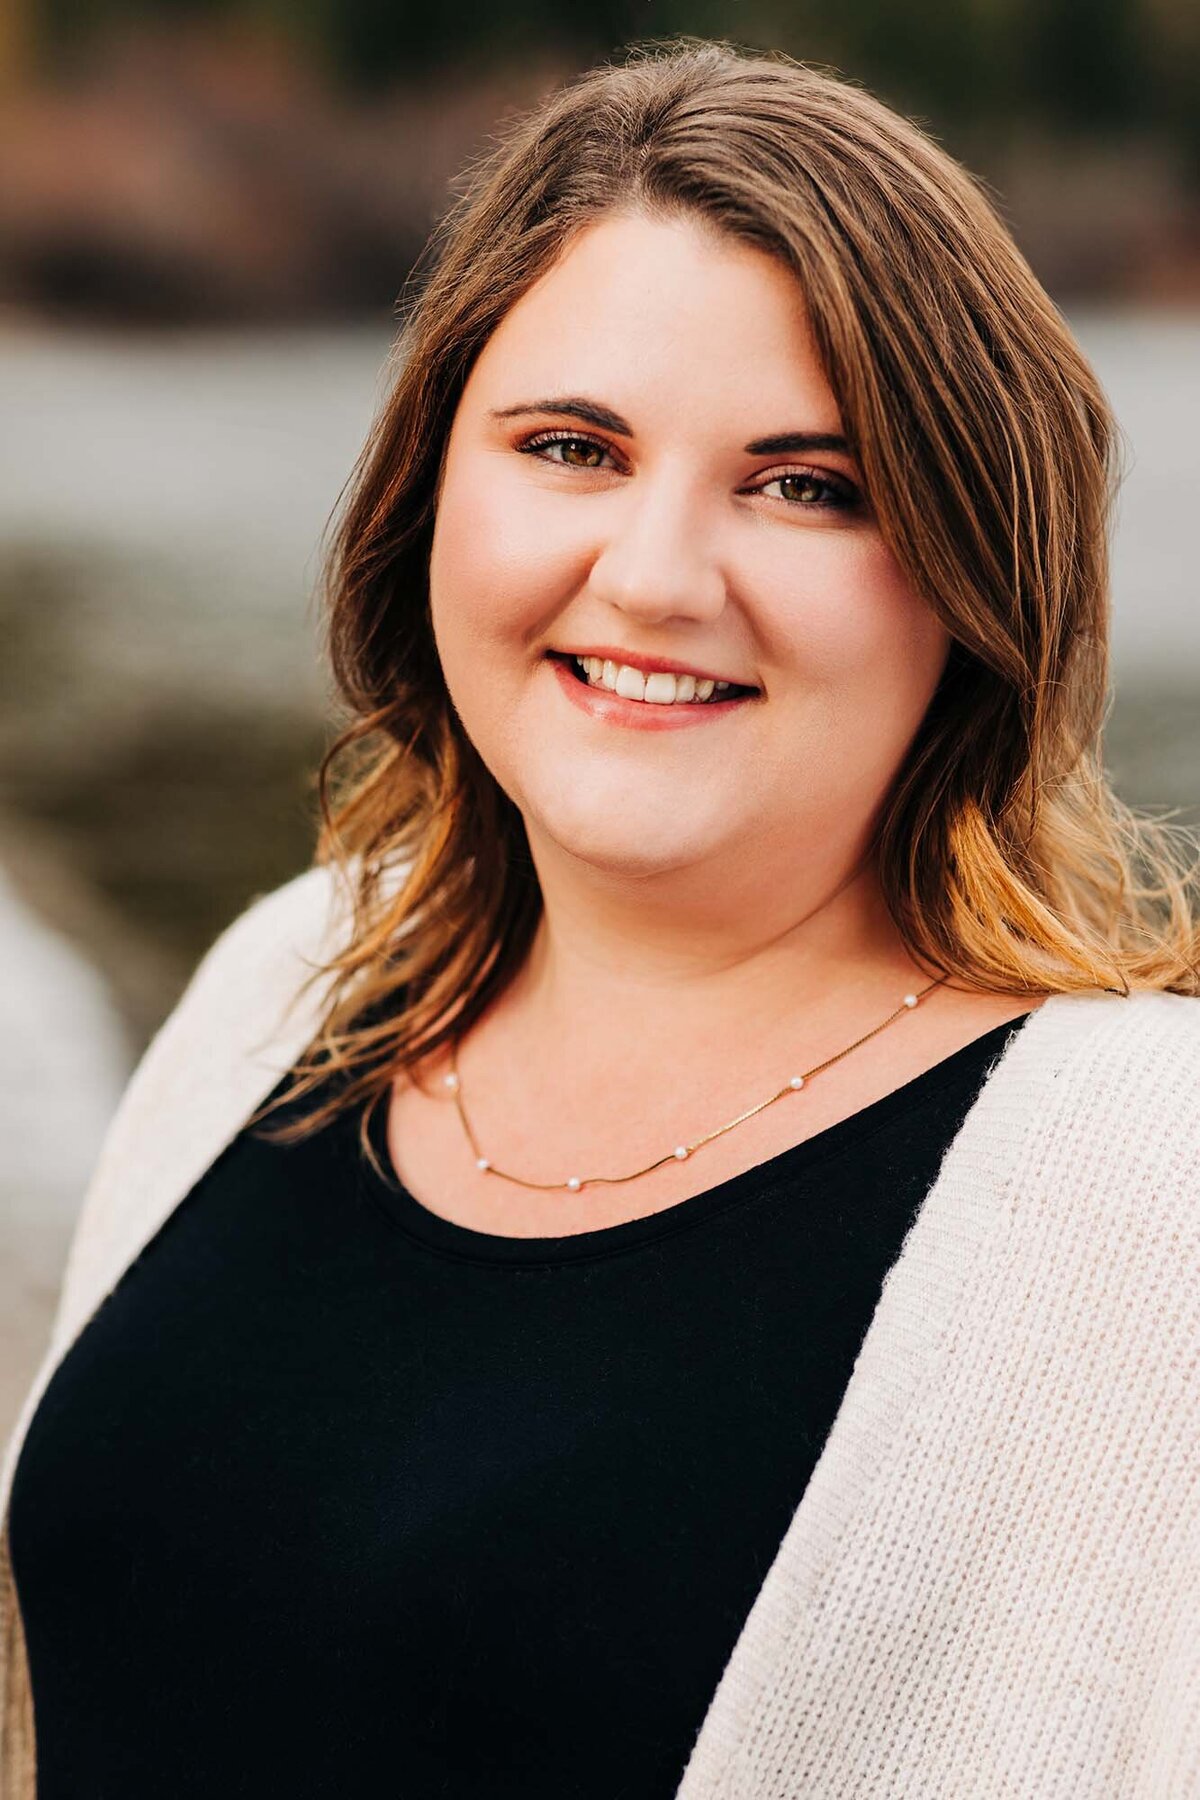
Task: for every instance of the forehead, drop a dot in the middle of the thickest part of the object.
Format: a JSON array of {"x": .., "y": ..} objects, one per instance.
[{"x": 662, "y": 313}]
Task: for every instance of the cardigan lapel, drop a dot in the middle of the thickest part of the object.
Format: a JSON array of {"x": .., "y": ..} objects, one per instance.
[{"x": 923, "y": 1296}]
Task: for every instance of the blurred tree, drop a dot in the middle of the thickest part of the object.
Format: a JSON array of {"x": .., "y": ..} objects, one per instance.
[
  {"x": 1082, "y": 63},
  {"x": 1069, "y": 107},
  {"x": 1086, "y": 60}
]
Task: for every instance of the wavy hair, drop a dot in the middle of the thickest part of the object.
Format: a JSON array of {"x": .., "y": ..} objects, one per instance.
[{"x": 990, "y": 456}]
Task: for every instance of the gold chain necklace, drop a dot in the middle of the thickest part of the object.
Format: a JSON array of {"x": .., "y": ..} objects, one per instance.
[{"x": 681, "y": 1152}]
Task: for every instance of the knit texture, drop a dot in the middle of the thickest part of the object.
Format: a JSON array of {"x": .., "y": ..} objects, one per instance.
[{"x": 991, "y": 1585}]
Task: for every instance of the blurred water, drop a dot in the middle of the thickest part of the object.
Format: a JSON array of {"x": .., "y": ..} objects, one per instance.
[
  {"x": 1149, "y": 365},
  {"x": 199, "y": 471}
]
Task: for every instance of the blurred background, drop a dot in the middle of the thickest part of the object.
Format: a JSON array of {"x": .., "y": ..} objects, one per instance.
[{"x": 207, "y": 209}]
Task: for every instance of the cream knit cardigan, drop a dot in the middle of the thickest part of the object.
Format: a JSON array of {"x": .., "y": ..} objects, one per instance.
[{"x": 991, "y": 1586}]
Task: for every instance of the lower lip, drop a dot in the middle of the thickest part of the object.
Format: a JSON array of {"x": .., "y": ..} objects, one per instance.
[{"x": 641, "y": 715}]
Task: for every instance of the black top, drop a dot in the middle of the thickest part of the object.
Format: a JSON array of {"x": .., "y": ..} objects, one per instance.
[{"x": 333, "y": 1496}]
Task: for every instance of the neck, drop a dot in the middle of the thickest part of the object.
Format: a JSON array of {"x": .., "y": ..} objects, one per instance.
[{"x": 651, "y": 966}]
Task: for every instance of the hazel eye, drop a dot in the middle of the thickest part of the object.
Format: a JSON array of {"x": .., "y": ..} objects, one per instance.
[
  {"x": 549, "y": 440},
  {"x": 813, "y": 490}
]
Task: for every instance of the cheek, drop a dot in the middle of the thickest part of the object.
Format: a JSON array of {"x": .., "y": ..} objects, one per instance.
[
  {"x": 492, "y": 573},
  {"x": 488, "y": 589},
  {"x": 857, "y": 623}
]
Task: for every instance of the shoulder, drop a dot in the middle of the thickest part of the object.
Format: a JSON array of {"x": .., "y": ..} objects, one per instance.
[
  {"x": 290, "y": 924},
  {"x": 254, "y": 971},
  {"x": 242, "y": 1007},
  {"x": 1146, "y": 1064},
  {"x": 243, "y": 984},
  {"x": 1110, "y": 1086},
  {"x": 250, "y": 1007},
  {"x": 1111, "y": 1199},
  {"x": 1149, "y": 1038},
  {"x": 255, "y": 993}
]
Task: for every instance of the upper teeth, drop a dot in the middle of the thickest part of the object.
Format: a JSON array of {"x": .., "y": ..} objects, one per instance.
[{"x": 660, "y": 689}]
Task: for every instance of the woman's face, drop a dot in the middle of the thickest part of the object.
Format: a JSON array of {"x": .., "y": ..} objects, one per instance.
[{"x": 609, "y": 492}]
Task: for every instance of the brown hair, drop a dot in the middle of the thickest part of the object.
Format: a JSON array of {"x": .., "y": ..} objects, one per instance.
[{"x": 988, "y": 451}]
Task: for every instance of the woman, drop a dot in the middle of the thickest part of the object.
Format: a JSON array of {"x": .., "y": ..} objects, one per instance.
[{"x": 666, "y": 1262}]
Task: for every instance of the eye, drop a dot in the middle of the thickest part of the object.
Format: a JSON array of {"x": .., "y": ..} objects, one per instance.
[
  {"x": 813, "y": 490},
  {"x": 547, "y": 440}
]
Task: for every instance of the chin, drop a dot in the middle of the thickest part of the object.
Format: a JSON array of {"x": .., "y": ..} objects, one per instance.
[
  {"x": 626, "y": 860},
  {"x": 620, "y": 850}
]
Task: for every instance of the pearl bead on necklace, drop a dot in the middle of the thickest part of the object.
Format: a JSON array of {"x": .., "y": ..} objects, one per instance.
[{"x": 681, "y": 1152}]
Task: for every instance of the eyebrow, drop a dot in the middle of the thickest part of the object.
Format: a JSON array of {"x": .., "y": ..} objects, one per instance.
[{"x": 778, "y": 443}]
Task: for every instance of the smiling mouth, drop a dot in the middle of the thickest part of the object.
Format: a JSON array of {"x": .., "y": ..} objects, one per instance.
[{"x": 651, "y": 688}]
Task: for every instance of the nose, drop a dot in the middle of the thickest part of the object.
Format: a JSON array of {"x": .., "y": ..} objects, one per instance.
[{"x": 655, "y": 562}]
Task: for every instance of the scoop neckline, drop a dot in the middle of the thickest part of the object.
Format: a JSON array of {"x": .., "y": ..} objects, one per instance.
[{"x": 466, "y": 1243}]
